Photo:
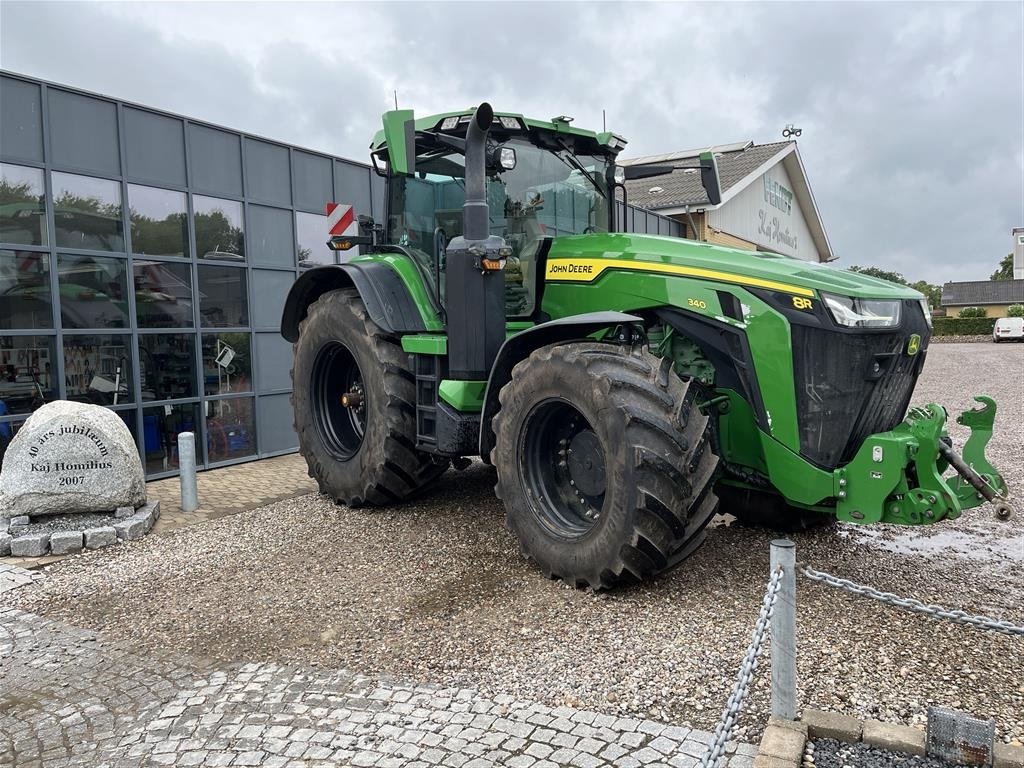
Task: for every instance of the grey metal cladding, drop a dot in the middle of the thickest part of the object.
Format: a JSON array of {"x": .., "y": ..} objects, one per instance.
[
  {"x": 154, "y": 148},
  {"x": 216, "y": 158},
  {"x": 267, "y": 173},
  {"x": 377, "y": 193},
  {"x": 270, "y": 241},
  {"x": 312, "y": 181},
  {"x": 275, "y": 420},
  {"x": 269, "y": 291},
  {"x": 83, "y": 133},
  {"x": 353, "y": 185},
  {"x": 21, "y": 120},
  {"x": 274, "y": 362}
]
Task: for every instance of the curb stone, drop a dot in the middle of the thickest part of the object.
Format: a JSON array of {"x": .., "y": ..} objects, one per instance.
[
  {"x": 832, "y": 725},
  {"x": 130, "y": 529},
  {"x": 30, "y": 545},
  {"x": 66, "y": 542},
  {"x": 5, "y": 544},
  {"x": 1007, "y": 756},
  {"x": 96, "y": 538},
  {"x": 895, "y": 738}
]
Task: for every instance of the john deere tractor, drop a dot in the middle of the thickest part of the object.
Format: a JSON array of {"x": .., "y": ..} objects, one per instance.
[{"x": 624, "y": 386}]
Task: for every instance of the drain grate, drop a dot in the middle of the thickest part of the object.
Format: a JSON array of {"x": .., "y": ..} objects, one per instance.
[{"x": 959, "y": 738}]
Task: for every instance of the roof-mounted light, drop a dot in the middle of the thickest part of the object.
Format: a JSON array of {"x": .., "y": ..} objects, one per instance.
[
  {"x": 512, "y": 123},
  {"x": 450, "y": 123},
  {"x": 561, "y": 119}
]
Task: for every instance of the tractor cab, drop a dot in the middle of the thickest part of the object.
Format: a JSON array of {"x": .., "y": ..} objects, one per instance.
[{"x": 543, "y": 180}]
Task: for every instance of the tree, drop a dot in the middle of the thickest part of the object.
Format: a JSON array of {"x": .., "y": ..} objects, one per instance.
[
  {"x": 1015, "y": 310},
  {"x": 1005, "y": 271},
  {"x": 881, "y": 274},
  {"x": 931, "y": 292}
]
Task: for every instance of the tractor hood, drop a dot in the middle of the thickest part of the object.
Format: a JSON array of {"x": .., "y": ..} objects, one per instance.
[{"x": 672, "y": 255}]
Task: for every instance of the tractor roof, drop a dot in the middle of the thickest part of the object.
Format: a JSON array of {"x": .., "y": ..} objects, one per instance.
[{"x": 608, "y": 141}]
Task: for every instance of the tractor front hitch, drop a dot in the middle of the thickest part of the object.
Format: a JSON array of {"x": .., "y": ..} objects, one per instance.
[{"x": 897, "y": 476}]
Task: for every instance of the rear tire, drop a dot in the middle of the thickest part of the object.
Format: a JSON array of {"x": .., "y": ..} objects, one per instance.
[
  {"x": 604, "y": 462},
  {"x": 365, "y": 454},
  {"x": 760, "y": 509}
]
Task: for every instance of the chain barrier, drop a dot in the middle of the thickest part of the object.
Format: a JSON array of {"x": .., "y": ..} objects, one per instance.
[
  {"x": 910, "y": 604},
  {"x": 735, "y": 704}
]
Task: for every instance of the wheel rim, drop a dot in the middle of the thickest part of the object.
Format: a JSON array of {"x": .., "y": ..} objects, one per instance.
[
  {"x": 335, "y": 373},
  {"x": 563, "y": 468}
]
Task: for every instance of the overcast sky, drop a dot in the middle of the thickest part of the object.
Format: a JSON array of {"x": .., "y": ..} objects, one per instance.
[{"x": 911, "y": 114}]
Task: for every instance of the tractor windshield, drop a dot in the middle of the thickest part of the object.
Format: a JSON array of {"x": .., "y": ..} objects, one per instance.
[{"x": 548, "y": 193}]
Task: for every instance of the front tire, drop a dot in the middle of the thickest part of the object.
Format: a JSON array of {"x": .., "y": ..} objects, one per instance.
[
  {"x": 604, "y": 462},
  {"x": 363, "y": 450}
]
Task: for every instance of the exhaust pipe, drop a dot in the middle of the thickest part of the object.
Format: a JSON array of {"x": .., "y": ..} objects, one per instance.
[{"x": 475, "y": 214}]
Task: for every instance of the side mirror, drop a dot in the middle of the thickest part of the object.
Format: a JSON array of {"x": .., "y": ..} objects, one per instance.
[{"x": 709, "y": 177}]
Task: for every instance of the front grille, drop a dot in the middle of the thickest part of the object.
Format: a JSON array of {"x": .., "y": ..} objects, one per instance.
[{"x": 850, "y": 385}]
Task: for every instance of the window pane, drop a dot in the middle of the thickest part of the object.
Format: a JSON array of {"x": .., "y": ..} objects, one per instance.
[
  {"x": 168, "y": 364},
  {"x": 25, "y": 290},
  {"x": 28, "y": 373},
  {"x": 230, "y": 429},
  {"x": 93, "y": 291},
  {"x": 22, "y": 205},
  {"x": 227, "y": 365},
  {"x": 8, "y": 429},
  {"x": 98, "y": 369},
  {"x": 163, "y": 294},
  {"x": 159, "y": 221},
  {"x": 311, "y": 231},
  {"x": 222, "y": 297},
  {"x": 160, "y": 427},
  {"x": 220, "y": 231},
  {"x": 87, "y": 212}
]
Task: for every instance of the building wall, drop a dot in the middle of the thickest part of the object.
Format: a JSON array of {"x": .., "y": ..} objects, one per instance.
[
  {"x": 136, "y": 247},
  {"x": 766, "y": 213},
  {"x": 706, "y": 233},
  {"x": 991, "y": 310}
]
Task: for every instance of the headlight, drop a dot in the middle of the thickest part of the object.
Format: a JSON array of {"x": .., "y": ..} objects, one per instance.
[
  {"x": 863, "y": 313},
  {"x": 927, "y": 312},
  {"x": 620, "y": 174}
]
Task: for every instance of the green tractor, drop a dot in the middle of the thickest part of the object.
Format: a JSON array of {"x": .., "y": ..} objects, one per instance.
[{"x": 623, "y": 386}]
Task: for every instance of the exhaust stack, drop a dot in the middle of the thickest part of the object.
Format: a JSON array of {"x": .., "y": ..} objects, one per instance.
[{"x": 475, "y": 295}]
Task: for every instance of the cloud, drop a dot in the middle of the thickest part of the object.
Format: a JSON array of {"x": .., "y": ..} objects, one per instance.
[{"x": 912, "y": 113}]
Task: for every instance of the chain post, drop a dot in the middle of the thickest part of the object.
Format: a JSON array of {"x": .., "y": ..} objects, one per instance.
[
  {"x": 783, "y": 631},
  {"x": 187, "y": 468}
]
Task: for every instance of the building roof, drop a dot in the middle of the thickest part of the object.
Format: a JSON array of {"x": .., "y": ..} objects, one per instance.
[
  {"x": 982, "y": 292},
  {"x": 739, "y": 165},
  {"x": 682, "y": 187}
]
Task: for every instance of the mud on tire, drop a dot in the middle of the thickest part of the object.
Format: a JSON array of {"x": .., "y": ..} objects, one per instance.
[
  {"x": 372, "y": 458},
  {"x": 649, "y": 507}
]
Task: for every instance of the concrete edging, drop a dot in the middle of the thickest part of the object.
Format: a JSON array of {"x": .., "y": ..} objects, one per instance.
[
  {"x": 784, "y": 741},
  {"x": 129, "y": 526}
]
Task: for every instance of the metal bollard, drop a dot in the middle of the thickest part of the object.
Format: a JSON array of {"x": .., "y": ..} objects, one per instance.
[
  {"x": 187, "y": 466},
  {"x": 783, "y": 554}
]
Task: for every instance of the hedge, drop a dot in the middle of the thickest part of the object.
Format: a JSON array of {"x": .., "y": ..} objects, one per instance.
[
  {"x": 972, "y": 312},
  {"x": 1015, "y": 310},
  {"x": 963, "y": 326}
]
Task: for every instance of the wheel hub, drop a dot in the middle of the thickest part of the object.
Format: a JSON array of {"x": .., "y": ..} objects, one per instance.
[{"x": 586, "y": 463}]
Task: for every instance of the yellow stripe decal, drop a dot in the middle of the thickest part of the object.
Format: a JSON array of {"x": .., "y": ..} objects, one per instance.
[{"x": 587, "y": 270}]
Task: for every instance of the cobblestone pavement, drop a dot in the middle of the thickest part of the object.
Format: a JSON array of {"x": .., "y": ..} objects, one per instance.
[
  {"x": 224, "y": 491},
  {"x": 74, "y": 698},
  {"x": 12, "y": 577}
]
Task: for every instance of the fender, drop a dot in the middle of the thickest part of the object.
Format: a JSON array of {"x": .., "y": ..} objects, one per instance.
[
  {"x": 386, "y": 298},
  {"x": 518, "y": 347}
]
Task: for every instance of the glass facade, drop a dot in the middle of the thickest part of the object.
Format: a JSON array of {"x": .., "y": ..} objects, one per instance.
[{"x": 145, "y": 269}]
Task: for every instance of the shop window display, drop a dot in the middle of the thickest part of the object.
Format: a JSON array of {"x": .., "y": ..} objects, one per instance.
[
  {"x": 98, "y": 369},
  {"x": 227, "y": 365},
  {"x": 161, "y": 425},
  {"x": 168, "y": 365},
  {"x": 230, "y": 429},
  {"x": 28, "y": 373}
]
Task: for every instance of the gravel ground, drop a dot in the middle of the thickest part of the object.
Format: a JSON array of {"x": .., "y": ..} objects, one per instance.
[
  {"x": 71, "y": 522},
  {"x": 436, "y": 591},
  {"x": 829, "y": 753}
]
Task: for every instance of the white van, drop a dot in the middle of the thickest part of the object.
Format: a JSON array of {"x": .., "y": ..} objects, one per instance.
[{"x": 1008, "y": 328}]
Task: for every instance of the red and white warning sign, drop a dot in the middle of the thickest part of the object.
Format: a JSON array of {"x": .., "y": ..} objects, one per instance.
[{"x": 341, "y": 220}]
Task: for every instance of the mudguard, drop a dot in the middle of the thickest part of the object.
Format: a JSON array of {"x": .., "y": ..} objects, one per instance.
[
  {"x": 386, "y": 298},
  {"x": 516, "y": 348}
]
